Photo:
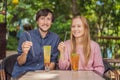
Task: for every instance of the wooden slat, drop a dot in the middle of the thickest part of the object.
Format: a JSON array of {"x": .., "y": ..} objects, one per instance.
[
  {"x": 110, "y": 37},
  {"x": 2, "y": 75}
]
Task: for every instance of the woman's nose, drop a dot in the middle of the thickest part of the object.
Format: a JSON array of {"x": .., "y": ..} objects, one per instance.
[{"x": 75, "y": 28}]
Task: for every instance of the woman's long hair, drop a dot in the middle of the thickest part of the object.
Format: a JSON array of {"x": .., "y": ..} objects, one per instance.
[{"x": 85, "y": 41}]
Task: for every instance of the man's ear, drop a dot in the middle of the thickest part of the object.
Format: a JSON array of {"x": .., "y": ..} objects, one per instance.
[{"x": 37, "y": 22}]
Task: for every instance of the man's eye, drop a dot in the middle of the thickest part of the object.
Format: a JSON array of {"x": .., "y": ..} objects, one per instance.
[
  {"x": 42, "y": 18},
  {"x": 49, "y": 19}
]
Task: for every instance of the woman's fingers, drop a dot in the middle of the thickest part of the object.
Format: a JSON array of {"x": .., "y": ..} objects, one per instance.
[{"x": 61, "y": 47}]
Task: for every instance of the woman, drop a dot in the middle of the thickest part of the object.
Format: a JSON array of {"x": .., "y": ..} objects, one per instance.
[{"x": 80, "y": 43}]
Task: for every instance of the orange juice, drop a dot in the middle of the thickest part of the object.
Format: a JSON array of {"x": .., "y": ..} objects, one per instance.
[
  {"x": 47, "y": 54},
  {"x": 47, "y": 59},
  {"x": 74, "y": 61}
]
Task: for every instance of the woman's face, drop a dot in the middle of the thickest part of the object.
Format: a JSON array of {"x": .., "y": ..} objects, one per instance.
[{"x": 77, "y": 28}]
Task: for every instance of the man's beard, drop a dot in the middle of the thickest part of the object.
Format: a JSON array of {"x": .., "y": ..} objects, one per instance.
[{"x": 43, "y": 30}]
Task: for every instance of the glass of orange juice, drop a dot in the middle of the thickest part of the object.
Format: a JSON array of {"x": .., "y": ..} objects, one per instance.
[
  {"x": 74, "y": 61},
  {"x": 47, "y": 55}
]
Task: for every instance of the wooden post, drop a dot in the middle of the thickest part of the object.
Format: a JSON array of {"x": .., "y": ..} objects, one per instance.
[{"x": 3, "y": 40}]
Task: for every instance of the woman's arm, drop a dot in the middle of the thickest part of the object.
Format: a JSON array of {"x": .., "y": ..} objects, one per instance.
[
  {"x": 64, "y": 58},
  {"x": 98, "y": 60}
]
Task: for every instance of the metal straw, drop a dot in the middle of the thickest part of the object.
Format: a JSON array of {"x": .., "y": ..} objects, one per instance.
[
  {"x": 32, "y": 45},
  {"x": 65, "y": 36}
]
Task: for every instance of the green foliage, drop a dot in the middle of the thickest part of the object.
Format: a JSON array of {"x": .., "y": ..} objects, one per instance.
[
  {"x": 1, "y": 18},
  {"x": 103, "y": 17},
  {"x": 12, "y": 43},
  {"x": 61, "y": 26}
]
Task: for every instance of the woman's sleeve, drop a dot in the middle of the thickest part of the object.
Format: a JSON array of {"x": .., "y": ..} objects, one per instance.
[{"x": 98, "y": 60}]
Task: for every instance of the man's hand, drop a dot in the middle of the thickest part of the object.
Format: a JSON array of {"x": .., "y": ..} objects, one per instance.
[{"x": 26, "y": 46}]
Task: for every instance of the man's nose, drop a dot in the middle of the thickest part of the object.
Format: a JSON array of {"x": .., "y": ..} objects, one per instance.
[{"x": 45, "y": 21}]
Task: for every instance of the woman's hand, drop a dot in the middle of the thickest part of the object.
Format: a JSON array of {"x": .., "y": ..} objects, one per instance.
[
  {"x": 26, "y": 46},
  {"x": 61, "y": 47}
]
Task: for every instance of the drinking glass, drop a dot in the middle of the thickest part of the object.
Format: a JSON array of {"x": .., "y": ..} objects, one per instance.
[
  {"x": 47, "y": 55},
  {"x": 74, "y": 61}
]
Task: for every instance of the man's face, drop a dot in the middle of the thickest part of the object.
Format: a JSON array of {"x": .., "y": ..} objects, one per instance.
[{"x": 45, "y": 22}]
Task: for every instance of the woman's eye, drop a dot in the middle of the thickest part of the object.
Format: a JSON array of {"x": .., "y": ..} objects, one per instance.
[
  {"x": 72, "y": 26},
  {"x": 79, "y": 26}
]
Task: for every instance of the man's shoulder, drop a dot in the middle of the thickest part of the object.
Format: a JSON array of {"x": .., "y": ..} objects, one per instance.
[
  {"x": 54, "y": 34},
  {"x": 33, "y": 30}
]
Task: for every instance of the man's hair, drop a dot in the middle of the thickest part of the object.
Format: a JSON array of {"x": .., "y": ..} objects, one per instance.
[{"x": 44, "y": 12}]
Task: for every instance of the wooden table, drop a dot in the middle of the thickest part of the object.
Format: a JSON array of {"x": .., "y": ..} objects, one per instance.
[
  {"x": 62, "y": 75},
  {"x": 112, "y": 60},
  {"x": 115, "y": 62}
]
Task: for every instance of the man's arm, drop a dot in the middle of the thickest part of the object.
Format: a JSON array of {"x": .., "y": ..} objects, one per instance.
[
  {"x": 52, "y": 65},
  {"x": 25, "y": 49},
  {"x": 22, "y": 59}
]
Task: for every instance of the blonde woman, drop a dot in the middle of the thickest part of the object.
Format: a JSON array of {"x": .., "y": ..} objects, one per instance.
[{"x": 80, "y": 43}]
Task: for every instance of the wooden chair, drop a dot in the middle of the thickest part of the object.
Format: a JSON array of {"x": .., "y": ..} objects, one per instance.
[
  {"x": 2, "y": 74},
  {"x": 7, "y": 67},
  {"x": 110, "y": 72}
]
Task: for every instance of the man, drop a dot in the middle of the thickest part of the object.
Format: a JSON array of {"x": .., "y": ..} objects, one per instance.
[{"x": 30, "y": 47}]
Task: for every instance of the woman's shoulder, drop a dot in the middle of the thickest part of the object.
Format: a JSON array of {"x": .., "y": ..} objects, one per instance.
[
  {"x": 67, "y": 42},
  {"x": 95, "y": 47},
  {"x": 94, "y": 44}
]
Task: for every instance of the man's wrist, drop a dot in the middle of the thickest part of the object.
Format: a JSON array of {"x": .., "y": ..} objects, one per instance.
[{"x": 24, "y": 54}]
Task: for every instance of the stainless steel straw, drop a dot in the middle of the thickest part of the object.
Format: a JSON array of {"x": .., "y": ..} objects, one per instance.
[
  {"x": 65, "y": 36},
  {"x": 32, "y": 45}
]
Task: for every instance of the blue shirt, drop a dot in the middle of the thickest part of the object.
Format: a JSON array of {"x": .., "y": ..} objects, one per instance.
[{"x": 35, "y": 59}]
